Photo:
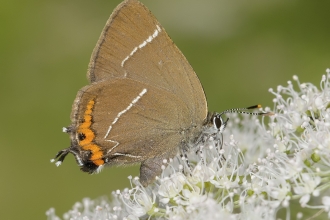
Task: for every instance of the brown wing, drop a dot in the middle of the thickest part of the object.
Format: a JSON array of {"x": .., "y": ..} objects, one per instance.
[
  {"x": 133, "y": 121},
  {"x": 134, "y": 45}
]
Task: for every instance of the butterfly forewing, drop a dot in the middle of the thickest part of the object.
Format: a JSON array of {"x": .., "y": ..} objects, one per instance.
[{"x": 134, "y": 45}]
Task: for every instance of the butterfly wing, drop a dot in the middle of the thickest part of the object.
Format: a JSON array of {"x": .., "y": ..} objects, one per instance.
[{"x": 134, "y": 45}]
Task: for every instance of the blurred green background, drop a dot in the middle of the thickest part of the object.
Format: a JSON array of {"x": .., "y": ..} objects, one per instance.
[{"x": 239, "y": 49}]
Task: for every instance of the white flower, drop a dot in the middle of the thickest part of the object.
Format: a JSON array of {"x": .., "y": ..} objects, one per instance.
[
  {"x": 170, "y": 187},
  {"x": 306, "y": 186},
  {"x": 262, "y": 165},
  {"x": 326, "y": 203}
]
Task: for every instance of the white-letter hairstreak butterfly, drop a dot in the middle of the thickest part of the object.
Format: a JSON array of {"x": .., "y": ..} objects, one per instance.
[{"x": 144, "y": 103}]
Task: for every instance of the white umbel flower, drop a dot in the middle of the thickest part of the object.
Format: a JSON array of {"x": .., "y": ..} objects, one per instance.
[{"x": 265, "y": 165}]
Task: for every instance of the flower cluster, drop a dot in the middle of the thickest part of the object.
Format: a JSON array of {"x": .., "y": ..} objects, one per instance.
[{"x": 261, "y": 166}]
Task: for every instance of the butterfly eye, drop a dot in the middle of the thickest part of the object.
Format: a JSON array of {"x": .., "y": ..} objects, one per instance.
[{"x": 217, "y": 121}]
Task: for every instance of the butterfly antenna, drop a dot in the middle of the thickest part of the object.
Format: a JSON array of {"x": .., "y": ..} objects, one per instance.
[{"x": 242, "y": 111}]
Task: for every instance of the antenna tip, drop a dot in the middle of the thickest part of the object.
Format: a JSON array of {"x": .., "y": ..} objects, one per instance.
[
  {"x": 254, "y": 106},
  {"x": 263, "y": 114}
]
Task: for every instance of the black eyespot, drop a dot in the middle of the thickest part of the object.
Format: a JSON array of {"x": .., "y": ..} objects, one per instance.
[
  {"x": 89, "y": 167},
  {"x": 81, "y": 136},
  {"x": 217, "y": 121}
]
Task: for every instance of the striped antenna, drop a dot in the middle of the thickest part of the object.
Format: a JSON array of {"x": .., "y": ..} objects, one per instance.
[{"x": 241, "y": 111}]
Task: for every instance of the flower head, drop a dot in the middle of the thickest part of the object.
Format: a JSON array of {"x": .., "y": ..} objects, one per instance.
[{"x": 259, "y": 167}]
